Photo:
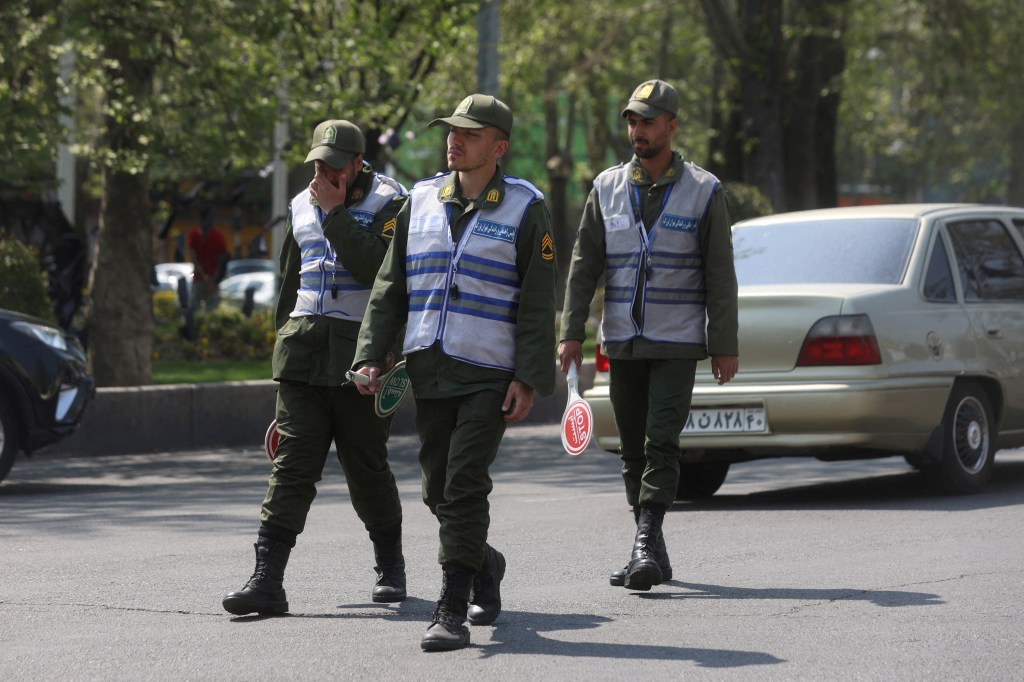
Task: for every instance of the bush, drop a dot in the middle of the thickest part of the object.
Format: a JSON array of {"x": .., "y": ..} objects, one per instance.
[
  {"x": 22, "y": 281},
  {"x": 224, "y": 334}
]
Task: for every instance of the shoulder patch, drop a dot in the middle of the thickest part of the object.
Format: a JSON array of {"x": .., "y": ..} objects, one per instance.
[
  {"x": 388, "y": 230},
  {"x": 547, "y": 247}
]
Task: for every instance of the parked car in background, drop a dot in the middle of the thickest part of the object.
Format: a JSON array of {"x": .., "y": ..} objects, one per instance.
[
  {"x": 241, "y": 266},
  {"x": 264, "y": 287},
  {"x": 176, "y": 277},
  {"x": 866, "y": 332},
  {"x": 44, "y": 387}
]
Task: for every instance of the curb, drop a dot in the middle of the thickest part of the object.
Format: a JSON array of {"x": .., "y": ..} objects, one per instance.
[{"x": 146, "y": 419}]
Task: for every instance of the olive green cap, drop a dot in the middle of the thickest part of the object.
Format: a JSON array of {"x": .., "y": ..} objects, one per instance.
[
  {"x": 479, "y": 111},
  {"x": 336, "y": 143},
  {"x": 653, "y": 98}
]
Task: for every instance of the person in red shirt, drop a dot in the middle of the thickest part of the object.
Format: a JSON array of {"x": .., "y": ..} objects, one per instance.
[{"x": 209, "y": 254}]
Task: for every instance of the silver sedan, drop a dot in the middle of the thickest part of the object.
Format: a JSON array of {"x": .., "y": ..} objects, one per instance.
[{"x": 866, "y": 332}]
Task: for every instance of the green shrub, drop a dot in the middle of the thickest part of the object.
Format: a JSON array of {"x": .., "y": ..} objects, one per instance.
[
  {"x": 22, "y": 281},
  {"x": 224, "y": 334}
]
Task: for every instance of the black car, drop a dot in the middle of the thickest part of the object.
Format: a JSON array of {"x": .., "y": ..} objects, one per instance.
[{"x": 44, "y": 386}]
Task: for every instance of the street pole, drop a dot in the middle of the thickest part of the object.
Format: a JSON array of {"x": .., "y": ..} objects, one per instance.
[
  {"x": 487, "y": 48},
  {"x": 279, "y": 195}
]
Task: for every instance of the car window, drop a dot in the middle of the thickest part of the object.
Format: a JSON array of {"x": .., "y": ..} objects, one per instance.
[
  {"x": 990, "y": 264},
  {"x": 1019, "y": 224},
  {"x": 867, "y": 251},
  {"x": 938, "y": 281}
]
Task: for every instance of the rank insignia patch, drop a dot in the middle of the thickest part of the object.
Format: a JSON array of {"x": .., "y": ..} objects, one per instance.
[
  {"x": 644, "y": 91},
  {"x": 464, "y": 106},
  {"x": 638, "y": 174},
  {"x": 547, "y": 247},
  {"x": 389, "y": 228},
  {"x": 493, "y": 195},
  {"x": 446, "y": 191},
  {"x": 357, "y": 194}
]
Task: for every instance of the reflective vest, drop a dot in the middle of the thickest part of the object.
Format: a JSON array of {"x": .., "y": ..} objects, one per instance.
[
  {"x": 467, "y": 294},
  {"x": 671, "y": 292},
  {"x": 325, "y": 286}
]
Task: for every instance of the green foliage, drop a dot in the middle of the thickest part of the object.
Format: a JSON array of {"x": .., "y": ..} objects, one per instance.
[
  {"x": 223, "y": 334},
  {"x": 29, "y": 94},
  {"x": 22, "y": 281},
  {"x": 746, "y": 201},
  {"x": 930, "y": 97}
]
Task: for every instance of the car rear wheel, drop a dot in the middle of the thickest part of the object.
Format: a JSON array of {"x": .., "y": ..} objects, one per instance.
[
  {"x": 8, "y": 438},
  {"x": 968, "y": 435},
  {"x": 700, "y": 480}
]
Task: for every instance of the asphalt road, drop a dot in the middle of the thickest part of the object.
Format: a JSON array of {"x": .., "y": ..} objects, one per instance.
[{"x": 113, "y": 568}]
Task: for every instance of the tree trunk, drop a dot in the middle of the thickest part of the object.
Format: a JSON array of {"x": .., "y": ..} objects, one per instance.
[
  {"x": 812, "y": 107},
  {"x": 725, "y": 148},
  {"x": 121, "y": 311},
  {"x": 1015, "y": 183},
  {"x": 760, "y": 84},
  {"x": 120, "y": 318}
]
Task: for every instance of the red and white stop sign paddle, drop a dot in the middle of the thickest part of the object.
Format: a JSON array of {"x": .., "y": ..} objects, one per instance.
[
  {"x": 577, "y": 420},
  {"x": 271, "y": 440}
]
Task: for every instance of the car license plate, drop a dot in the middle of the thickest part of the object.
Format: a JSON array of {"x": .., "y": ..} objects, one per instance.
[{"x": 725, "y": 420}]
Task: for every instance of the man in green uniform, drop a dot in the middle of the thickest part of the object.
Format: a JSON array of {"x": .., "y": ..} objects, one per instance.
[
  {"x": 339, "y": 229},
  {"x": 471, "y": 274},
  {"x": 658, "y": 228}
]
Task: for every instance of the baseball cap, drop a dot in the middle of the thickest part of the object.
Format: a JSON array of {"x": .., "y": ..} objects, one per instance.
[
  {"x": 336, "y": 143},
  {"x": 652, "y": 98},
  {"x": 479, "y": 111}
]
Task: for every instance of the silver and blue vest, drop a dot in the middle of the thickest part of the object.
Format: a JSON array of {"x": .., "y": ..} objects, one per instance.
[
  {"x": 325, "y": 286},
  {"x": 672, "y": 294},
  {"x": 465, "y": 294}
]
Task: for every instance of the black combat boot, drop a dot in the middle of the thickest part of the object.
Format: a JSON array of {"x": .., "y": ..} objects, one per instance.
[
  {"x": 264, "y": 593},
  {"x": 643, "y": 569},
  {"x": 390, "y": 568},
  {"x": 618, "y": 578},
  {"x": 446, "y": 631},
  {"x": 485, "y": 604}
]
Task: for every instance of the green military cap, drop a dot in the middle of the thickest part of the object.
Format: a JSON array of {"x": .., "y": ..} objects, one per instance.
[
  {"x": 336, "y": 143},
  {"x": 652, "y": 98},
  {"x": 479, "y": 111}
]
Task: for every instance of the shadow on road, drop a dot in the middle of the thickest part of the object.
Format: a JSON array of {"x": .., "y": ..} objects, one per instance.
[
  {"x": 903, "y": 490},
  {"x": 520, "y": 632},
  {"x": 807, "y": 595}
]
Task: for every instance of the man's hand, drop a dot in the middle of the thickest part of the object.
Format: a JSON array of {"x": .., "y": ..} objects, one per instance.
[
  {"x": 724, "y": 367},
  {"x": 328, "y": 195},
  {"x": 518, "y": 401},
  {"x": 372, "y": 387},
  {"x": 569, "y": 350}
]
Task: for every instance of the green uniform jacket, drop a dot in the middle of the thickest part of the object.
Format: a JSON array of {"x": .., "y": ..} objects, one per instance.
[
  {"x": 317, "y": 349},
  {"x": 436, "y": 375},
  {"x": 588, "y": 264}
]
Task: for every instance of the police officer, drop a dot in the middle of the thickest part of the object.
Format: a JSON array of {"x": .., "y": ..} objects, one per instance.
[
  {"x": 472, "y": 272},
  {"x": 658, "y": 228},
  {"x": 339, "y": 229}
]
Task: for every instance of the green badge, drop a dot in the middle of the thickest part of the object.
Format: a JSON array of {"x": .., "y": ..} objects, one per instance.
[{"x": 393, "y": 387}]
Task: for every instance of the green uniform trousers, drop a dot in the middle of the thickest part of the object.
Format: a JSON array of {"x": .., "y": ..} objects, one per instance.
[
  {"x": 460, "y": 438},
  {"x": 651, "y": 401},
  {"x": 308, "y": 419}
]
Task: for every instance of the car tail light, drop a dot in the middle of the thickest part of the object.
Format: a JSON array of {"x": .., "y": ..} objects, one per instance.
[
  {"x": 840, "y": 340},
  {"x": 600, "y": 360}
]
